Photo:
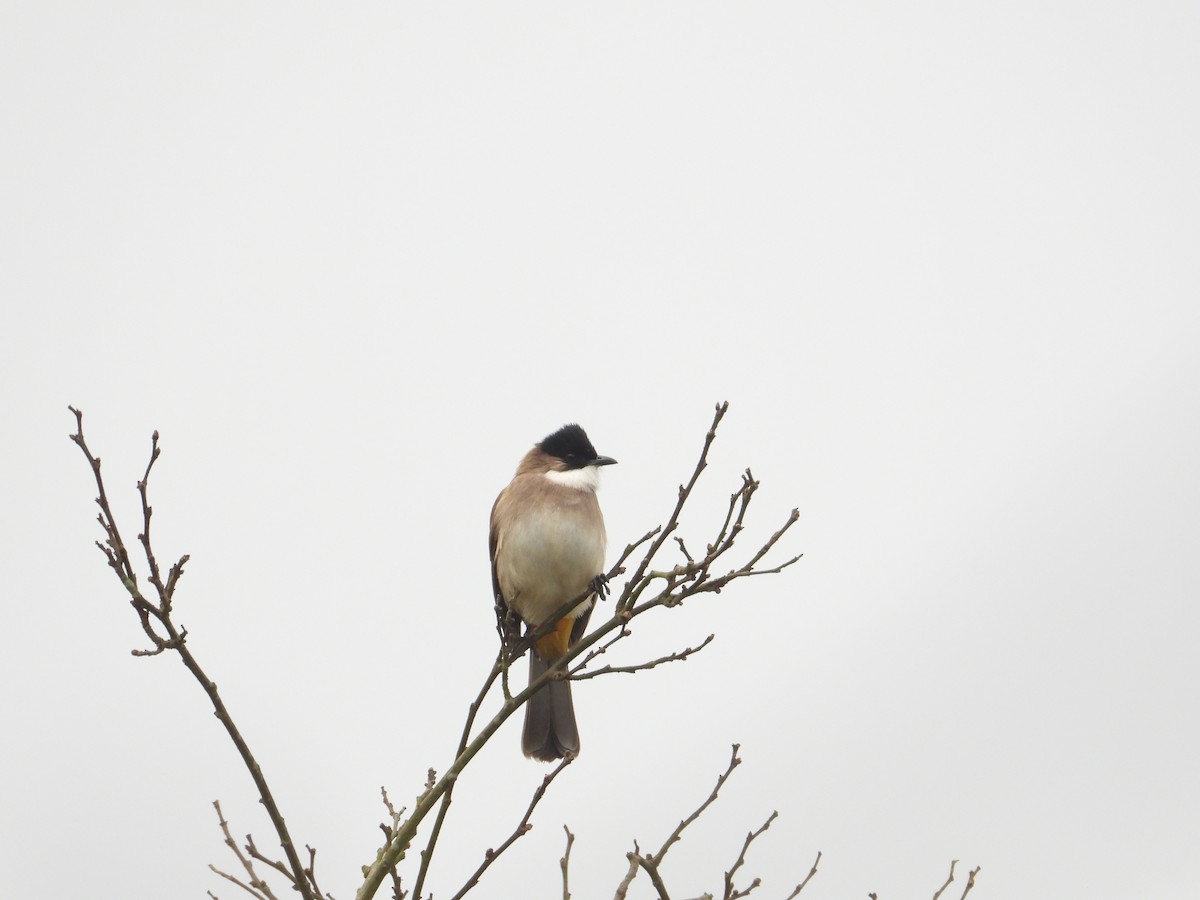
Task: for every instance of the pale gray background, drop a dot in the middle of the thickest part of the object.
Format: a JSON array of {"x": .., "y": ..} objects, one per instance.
[{"x": 352, "y": 260}]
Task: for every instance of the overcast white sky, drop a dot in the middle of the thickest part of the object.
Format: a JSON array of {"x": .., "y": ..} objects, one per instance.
[{"x": 352, "y": 260}]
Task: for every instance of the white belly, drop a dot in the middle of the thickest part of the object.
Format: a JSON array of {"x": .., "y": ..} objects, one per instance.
[{"x": 547, "y": 559}]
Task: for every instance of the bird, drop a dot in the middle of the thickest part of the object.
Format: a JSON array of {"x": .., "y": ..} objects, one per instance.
[{"x": 547, "y": 545}]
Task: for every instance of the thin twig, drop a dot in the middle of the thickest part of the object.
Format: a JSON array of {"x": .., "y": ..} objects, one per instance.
[
  {"x": 472, "y": 712},
  {"x": 970, "y": 882},
  {"x": 629, "y": 548},
  {"x": 147, "y": 511},
  {"x": 630, "y": 874},
  {"x": 398, "y": 845},
  {"x": 640, "y": 667},
  {"x": 523, "y": 828},
  {"x": 257, "y": 886},
  {"x": 595, "y": 652},
  {"x": 275, "y": 864},
  {"x": 675, "y": 835},
  {"x": 118, "y": 558},
  {"x": 807, "y": 878},
  {"x": 650, "y": 862},
  {"x": 730, "y": 892},
  {"x": 650, "y": 865},
  {"x": 685, "y": 491},
  {"x": 738, "y": 501},
  {"x": 245, "y": 887},
  {"x": 398, "y": 892},
  {"x": 765, "y": 548},
  {"x": 949, "y": 878},
  {"x": 565, "y": 863},
  {"x": 311, "y": 872},
  {"x": 683, "y": 549}
]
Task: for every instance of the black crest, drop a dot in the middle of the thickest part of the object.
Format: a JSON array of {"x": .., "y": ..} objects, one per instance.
[{"x": 570, "y": 444}]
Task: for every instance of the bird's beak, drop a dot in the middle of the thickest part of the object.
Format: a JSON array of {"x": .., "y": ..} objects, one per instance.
[{"x": 603, "y": 461}]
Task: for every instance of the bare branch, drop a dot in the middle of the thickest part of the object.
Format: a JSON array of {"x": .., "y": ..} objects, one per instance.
[
  {"x": 256, "y": 886},
  {"x": 792, "y": 519},
  {"x": 673, "y": 586},
  {"x": 257, "y": 854},
  {"x": 691, "y": 577},
  {"x": 683, "y": 549},
  {"x": 565, "y": 863},
  {"x": 650, "y": 865},
  {"x": 629, "y": 548},
  {"x": 472, "y": 711},
  {"x": 807, "y": 878},
  {"x": 311, "y": 872},
  {"x": 595, "y": 652},
  {"x": 685, "y": 491},
  {"x": 147, "y": 511},
  {"x": 163, "y": 634},
  {"x": 623, "y": 887},
  {"x": 675, "y": 835},
  {"x": 730, "y": 892},
  {"x": 523, "y": 828},
  {"x": 638, "y": 667},
  {"x": 245, "y": 887},
  {"x": 739, "y": 502},
  {"x": 970, "y": 882},
  {"x": 118, "y": 558},
  {"x": 949, "y": 878},
  {"x": 398, "y": 893}
]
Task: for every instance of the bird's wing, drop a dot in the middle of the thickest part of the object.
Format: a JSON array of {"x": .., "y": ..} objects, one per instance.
[
  {"x": 580, "y": 625},
  {"x": 493, "y": 543}
]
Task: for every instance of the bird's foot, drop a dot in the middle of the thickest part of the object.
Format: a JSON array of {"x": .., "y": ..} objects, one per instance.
[
  {"x": 508, "y": 625},
  {"x": 600, "y": 586}
]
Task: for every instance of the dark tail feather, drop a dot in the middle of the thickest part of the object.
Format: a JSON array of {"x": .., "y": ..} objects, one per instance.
[{"x": 550, "y": 730}]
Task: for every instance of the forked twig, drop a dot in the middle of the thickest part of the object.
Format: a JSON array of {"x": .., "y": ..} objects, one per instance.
[
  {"x": 650, "y": 862},
  {"x": 685, "y": 491},
  {"x": 159, "y": 615},
  {"x": 731, "y": 893},
  {"x": 970, "y": 882},
  {"x": 398, "y": 892},
  {"x": 677, "y": 656},
  {"x": 256, "y": 887}
]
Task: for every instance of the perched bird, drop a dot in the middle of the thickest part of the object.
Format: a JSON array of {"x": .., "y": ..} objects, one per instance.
[{"x": 547, "y": 544}]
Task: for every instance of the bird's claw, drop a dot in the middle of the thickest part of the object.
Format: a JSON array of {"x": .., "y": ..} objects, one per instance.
[
  {"x": 508, "y": 624},
  {"x": 600, "y": 586}
]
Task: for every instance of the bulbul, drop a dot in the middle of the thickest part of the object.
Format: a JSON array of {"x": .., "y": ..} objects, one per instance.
[{"x": 547, "y": 545}]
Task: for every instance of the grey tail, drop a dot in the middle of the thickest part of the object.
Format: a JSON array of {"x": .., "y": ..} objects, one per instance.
[{"x": 550, "y": 731}]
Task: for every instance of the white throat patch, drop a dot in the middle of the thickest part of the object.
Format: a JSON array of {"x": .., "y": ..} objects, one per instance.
[{"x": 585, "y": 479}]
